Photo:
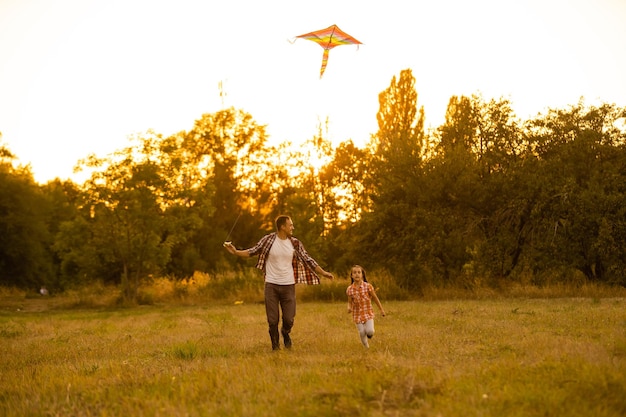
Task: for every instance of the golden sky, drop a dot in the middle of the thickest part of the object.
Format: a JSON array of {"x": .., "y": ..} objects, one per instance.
[{"x": 81, "y": 76}]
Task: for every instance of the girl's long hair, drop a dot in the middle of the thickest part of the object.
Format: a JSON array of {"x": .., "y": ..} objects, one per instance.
[{"x": 362, "y": 271}]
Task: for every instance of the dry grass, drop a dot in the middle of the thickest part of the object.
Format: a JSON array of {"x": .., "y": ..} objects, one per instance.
[{"x": 490, "y": 357}]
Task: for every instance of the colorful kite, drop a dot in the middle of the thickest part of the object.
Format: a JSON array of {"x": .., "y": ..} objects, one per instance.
[{"x": 329, "y": 38}]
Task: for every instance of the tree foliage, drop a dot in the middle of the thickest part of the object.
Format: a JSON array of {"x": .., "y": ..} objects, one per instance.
[
  {"x": 130, "y": 218},
  {"x": 483, "y": 199},
  {"x": 25, "y": 239},
  {"x": 390, "y": 229}
]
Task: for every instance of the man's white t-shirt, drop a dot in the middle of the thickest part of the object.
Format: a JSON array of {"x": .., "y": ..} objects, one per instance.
[{"x": 278, "y": 268}]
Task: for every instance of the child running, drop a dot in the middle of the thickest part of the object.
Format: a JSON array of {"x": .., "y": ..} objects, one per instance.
[{"x": 360, "y": 294}]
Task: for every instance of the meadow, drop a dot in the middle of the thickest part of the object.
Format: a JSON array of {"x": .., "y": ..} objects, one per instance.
[{"x": 493, "y": 356}]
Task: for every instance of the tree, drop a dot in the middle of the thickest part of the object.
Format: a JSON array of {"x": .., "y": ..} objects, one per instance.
[
  {"x": 131, "y": 217},
  {"x": 228, "y": 147},
  {"x": 579, "y": 221},
  {"x": 63, "y": 199},
  {"x": 452, "y": 193},
  {"x": 399, "y": 143},
  {"x": 346, "y": 176},
  {"x": 25, "y": 260},
  {"x": 510, "y": 192},
  {"x": 391, "y": 231}
]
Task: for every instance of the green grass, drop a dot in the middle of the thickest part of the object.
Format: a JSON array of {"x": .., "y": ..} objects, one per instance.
[{"x": 488, "y": 357}]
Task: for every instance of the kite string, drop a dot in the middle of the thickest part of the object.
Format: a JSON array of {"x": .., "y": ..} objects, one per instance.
[{"x": 232, "y": 228}]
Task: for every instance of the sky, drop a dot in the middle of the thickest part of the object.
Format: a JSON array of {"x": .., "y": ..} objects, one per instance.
[{"x": 83, "y": 76}]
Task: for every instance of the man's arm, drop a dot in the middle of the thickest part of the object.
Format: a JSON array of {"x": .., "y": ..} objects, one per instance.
[
  {"x": 320, "y": 271},
  {"x": 244, "y": 253}
]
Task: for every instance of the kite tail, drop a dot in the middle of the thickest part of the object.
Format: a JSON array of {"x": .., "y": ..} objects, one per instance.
[{"x": 324, "y": 62}]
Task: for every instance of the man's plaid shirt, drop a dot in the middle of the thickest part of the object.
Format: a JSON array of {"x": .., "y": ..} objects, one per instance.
[{"x": 303, "y": 265}]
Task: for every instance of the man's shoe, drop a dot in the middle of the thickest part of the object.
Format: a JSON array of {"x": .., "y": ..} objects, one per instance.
[
  {"x": 287, "y": 340},
  {"x": 275, "y": 338}
]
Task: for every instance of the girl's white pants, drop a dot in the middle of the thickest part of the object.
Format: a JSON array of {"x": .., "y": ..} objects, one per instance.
[{"x": 366, "y": 331}]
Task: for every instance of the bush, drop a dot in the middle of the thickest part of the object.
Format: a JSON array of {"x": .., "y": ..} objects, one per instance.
[
  {"x": 335, "y": 290},
  {"x": 229, "y": 287},
  {"x": 331, "y": 291},
  {"x": 247, "y": 286}
]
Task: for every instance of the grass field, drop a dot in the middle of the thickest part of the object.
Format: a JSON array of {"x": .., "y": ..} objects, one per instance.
[{"x": 497, "y": 357}]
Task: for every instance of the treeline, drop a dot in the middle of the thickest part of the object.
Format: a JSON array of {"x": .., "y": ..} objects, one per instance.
[{"x": 485, "y": 199}]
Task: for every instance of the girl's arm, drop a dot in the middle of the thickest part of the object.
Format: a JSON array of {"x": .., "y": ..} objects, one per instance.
[
  {"x": 349, "y": 301},
  {"x": 376, "y": 300}
]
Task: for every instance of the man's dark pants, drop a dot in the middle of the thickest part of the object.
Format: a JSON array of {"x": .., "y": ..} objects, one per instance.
[{"x": 283, "y": 297}]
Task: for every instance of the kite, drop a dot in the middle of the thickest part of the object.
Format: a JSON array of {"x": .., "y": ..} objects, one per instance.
[{"x": 329, "y": 38}]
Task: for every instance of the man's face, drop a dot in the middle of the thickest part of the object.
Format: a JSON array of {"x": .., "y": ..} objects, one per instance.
[{"x": 288, "y": 228}]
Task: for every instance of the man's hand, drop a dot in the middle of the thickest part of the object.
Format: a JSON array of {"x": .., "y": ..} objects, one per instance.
[
  {"x": 229, "y": 247},
  {"x": 320, "y": 271}
]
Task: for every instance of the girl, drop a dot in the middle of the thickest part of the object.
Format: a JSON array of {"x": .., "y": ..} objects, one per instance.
[{"x": 360, "y": 294}]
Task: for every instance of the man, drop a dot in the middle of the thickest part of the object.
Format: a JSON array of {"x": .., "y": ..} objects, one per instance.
[{"x": 284, "y": 263}]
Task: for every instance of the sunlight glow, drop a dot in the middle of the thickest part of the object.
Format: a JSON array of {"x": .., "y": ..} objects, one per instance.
[{"x": 80, "y": 76}]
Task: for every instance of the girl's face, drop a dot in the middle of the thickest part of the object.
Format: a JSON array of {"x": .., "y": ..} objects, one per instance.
[{"x": 357, "y": 274}]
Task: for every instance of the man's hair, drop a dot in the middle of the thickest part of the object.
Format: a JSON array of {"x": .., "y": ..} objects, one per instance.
[{"x": 281, "y": 221}]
